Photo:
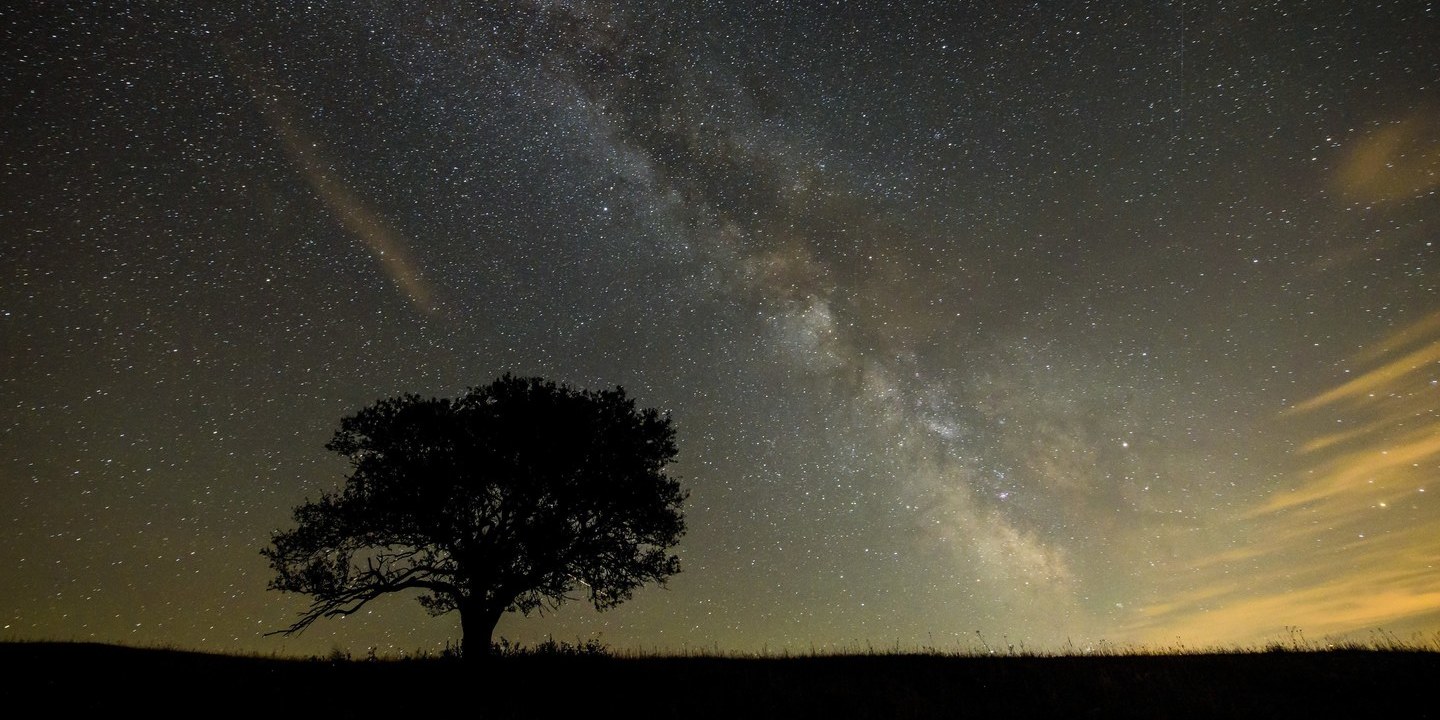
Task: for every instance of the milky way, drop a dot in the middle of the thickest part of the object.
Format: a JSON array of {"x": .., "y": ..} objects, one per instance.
[{"x": 980, "y": 324}]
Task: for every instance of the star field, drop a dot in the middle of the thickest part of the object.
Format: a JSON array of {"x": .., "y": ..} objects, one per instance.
[{"x": 1059, "y": 323}]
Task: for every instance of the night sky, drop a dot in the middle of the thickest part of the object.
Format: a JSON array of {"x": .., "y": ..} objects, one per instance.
[{"x": 1049, "y": 324}]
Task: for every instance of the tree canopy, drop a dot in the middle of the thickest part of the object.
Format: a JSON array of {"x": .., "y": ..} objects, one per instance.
[{"x": 516, "y": 496}]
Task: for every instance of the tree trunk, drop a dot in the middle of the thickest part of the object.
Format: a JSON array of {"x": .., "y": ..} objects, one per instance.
[{"x": 477, "y": 626}]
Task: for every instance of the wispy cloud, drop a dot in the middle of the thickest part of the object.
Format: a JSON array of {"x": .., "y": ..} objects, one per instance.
[
  {"x": 1349, "y": 545},
  {"x": 385, "y": 243}
]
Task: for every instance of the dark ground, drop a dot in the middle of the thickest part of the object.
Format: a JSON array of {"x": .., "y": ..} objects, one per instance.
[{"x": 79, "y": 677}]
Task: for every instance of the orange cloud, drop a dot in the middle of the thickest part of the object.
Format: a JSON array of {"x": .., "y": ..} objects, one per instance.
[
  {"x": 1350, "y": 545},
  {"x": 386, "y": 244},
  {"x": 1385, "y": 377},
  {"x": 1396, "y": 162}
]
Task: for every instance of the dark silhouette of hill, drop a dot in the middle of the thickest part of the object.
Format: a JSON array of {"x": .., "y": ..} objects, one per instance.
[{"x": 1313, "y": 684}]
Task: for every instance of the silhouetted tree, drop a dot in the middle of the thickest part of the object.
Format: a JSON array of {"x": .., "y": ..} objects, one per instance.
[{"x": 510, "y": 497}]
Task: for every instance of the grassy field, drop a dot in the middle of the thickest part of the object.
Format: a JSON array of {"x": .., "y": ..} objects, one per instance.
[{"x": 1278, "y": 683}]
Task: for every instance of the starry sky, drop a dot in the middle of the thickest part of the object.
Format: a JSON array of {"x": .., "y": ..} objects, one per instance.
[{"x": 1037, "y": 324}]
